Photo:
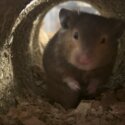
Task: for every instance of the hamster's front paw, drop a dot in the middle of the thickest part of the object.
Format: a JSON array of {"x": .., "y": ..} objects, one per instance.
[{"x": 72, "y": 83}]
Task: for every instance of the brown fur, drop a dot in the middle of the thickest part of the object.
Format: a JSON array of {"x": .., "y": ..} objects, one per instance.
[{"x": 80, "y": 67}]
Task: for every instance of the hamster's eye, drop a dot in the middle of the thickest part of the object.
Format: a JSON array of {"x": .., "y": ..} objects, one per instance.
[
  {"x": 103, "y": 40},
  {"x": 76, "y": 35}
]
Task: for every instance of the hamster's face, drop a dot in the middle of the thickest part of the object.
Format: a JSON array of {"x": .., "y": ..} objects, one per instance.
[
  {"x": 99, "y": 53},
  {"x": 90, "y": 41}
]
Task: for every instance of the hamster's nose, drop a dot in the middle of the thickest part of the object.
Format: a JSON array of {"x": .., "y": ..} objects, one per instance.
[{"x": 83, "y": 59}]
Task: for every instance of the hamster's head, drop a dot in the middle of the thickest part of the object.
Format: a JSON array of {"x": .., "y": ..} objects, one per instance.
[{"x": 89, "y": 41}]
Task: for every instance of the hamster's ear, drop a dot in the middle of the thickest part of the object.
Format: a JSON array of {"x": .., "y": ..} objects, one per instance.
[{"x": 66, "y": 17}]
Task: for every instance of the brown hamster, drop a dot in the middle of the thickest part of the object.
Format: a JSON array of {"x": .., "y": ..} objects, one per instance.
[{"x": 78, "y": 60}]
